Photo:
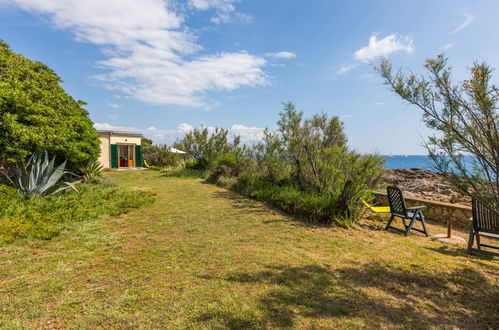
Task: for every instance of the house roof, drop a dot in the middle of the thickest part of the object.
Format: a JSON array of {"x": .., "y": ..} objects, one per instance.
[{"x": 121, "y": 133}]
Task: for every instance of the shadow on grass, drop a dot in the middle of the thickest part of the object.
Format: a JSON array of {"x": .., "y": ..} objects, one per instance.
[
  {"x": 453, "y": 251},
  {"x": 462, "y": 251},
  {"x": 375, "y": 295}
]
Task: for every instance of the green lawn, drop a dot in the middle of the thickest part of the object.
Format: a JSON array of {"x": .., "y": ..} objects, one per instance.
[{"x": 203, "y": 257}]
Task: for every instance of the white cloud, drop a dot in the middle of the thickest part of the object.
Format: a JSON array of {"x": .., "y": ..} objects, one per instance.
[
  {"x": 345, "y": 68},
  {"x": 285, "y": 55},
  {"x": 204, "y": 4},
  {"x": 150, "y": 53},
  {"x": 225, "y": 10},
  {"x": 185, "y": 128},
  {"x": 379, "y": 103},
  {"x": 468, "y": 19},
  {"x": 247, "y": 134},
  {"x": 107, "y": 126},
  {"x": 449, "y": 45},
  {"x": 158, "y": 135},
  {"x": 384, "y": 47},
  {"x": 113, "y": 105}
]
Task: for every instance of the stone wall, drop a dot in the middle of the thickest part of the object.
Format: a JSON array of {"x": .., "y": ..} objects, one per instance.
[{"x": 436, "y": 211}]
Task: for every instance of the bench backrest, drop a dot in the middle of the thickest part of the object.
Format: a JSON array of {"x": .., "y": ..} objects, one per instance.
[
  {"x": 485, "y": 219},
  {"x": 396, "y": 201}
]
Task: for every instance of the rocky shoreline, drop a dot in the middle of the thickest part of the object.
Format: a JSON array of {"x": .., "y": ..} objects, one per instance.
[{"x": 424, "y": 184}]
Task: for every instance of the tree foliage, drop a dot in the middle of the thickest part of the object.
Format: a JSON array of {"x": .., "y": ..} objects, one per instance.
[
  {"x": 271, "y": 157},
  {"x": 148, "y": 150},
  {"x": 465, "y": 148},
  {"x": 159, "y": 155},
  {"x": 37, "y": 114},
  {"x": 314, "y": 154},
  {"x": 206, "y": 147}
]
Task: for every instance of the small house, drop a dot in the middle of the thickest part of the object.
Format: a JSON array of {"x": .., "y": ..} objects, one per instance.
[{"x": 120, "y": 149}]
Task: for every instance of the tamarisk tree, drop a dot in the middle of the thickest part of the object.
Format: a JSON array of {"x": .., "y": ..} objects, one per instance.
[
  {"x": 321, "y": 161},
  {"x": 465, "y": 146}
]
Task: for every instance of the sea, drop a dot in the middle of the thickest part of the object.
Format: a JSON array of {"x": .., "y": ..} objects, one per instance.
[
  {"x": 407, "y": 161},
  {"x": 418, "y": 161}
]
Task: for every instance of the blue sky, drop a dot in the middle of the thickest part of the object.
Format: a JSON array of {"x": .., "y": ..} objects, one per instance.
[{"x": 163, "y": 67}]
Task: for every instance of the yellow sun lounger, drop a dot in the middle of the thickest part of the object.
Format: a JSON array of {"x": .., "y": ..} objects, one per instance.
[{"x": 377, "y": 209}]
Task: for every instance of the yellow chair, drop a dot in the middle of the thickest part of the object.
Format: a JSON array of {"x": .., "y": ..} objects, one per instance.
[{"x": 377, "y": 209}]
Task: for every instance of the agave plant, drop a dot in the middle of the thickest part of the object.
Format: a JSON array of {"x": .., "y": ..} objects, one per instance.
[
  {"x": 38, "y": 176},
  {"x": 92, "y": 173}
]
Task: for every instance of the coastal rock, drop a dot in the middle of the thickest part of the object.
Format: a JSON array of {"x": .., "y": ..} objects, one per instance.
[{"x": 424, "y": 184}]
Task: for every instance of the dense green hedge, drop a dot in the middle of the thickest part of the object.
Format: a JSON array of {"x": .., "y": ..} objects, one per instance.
[
  {"x": 37, "y": 114},
  {"x": 45, "y": 218}
]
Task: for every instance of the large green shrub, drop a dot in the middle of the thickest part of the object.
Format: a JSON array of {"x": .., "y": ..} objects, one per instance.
[
  {"x": 160, "y": 155},
  {"x": 148, "y": 151},
  {"x": 272, "y": 160},
  {"x": 37, "y": 114},
  {"x": 205, "y": 147},
  {"x": 226, "y": 165},
  {"x": 312, "y": 155}
]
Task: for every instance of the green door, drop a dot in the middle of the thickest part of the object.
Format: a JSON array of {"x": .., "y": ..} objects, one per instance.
[
  {"x": 138, "y": 156},
  {"x": 114, "y": 156}
]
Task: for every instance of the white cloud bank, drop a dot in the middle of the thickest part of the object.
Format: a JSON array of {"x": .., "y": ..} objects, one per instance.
[
  {"x": 384, "y": 47},
  {"x": 468, "y": 19},
  {"x": 151, "y": 54},
  {"x": 247, "y": 134}
]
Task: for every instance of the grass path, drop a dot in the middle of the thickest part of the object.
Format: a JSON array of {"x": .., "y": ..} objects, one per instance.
[{"x": 202, "y": 257}]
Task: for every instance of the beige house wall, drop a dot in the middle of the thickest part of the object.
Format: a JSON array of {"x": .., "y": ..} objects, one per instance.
[
  {"x": 123, "y": 139},
  {"x": 105, "y": 153}
]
